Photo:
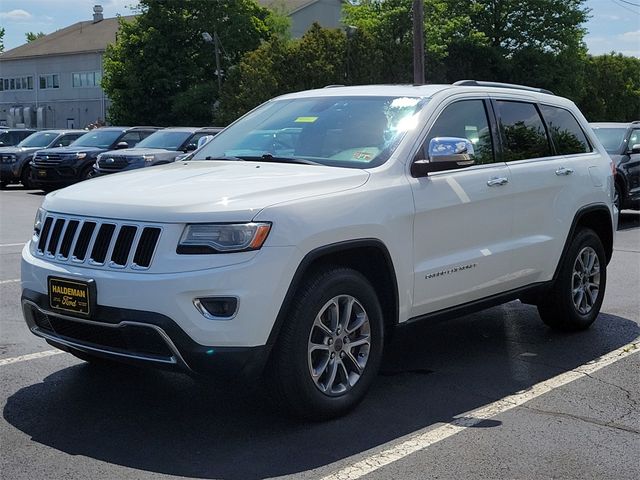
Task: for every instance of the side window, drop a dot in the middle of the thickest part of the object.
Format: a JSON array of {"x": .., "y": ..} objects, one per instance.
[
  {"x": 144, "y": 134},
  {"x": 634, "y": 139},
  {"x": 523, "y": 133},
  {"x": 195, "y": 138},
  {"x": 565, "y": 131},
  {"x": 132, "y": 138},
  {"x": 465, "y": 119},
  {"x": 66, "y": 140}
]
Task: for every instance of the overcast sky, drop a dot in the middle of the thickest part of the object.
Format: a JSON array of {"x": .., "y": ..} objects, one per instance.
[{"x": 614, "y": 24}]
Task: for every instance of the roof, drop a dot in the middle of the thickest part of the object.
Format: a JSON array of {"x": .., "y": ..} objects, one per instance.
[
  {"x": 288, "y": 6},
  {"x": 80, "y": 37}
]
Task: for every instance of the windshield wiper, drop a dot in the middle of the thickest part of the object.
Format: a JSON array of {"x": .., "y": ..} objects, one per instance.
[
  {"x": 267, "y": 157},
  {"x": 223, "y": 157}
]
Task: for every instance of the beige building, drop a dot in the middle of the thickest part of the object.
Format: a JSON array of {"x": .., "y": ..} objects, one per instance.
[{"x": 303, "y": 13}]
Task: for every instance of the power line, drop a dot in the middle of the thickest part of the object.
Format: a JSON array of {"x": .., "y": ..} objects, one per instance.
[
  {"x": 625, "y": 7},
  {"x": 630, "y": 3}
]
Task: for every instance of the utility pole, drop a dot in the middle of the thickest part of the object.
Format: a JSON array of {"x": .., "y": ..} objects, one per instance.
[{"x": 418, "y": 42}]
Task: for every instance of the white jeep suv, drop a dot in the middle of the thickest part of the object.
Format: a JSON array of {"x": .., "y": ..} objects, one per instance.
[{"x": 291, "y": 245}]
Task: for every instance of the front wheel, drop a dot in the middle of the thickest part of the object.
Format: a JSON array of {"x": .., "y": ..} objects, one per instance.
[
  {"x": 574, "y": 301},
  {"x": 25, "y": 178},
  {"x": 330, "y": 348}
]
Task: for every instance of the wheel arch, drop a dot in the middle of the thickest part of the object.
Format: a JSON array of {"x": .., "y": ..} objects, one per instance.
[
  {"x": 596, "y": 217},
  {"x": 369, "y": 256}
]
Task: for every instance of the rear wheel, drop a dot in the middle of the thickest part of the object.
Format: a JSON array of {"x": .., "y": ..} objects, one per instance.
[
  {"x": 87, "y": 173},
  {"x": 574, "y": 301},
  {"x": 330, "y": 348},
  {"x": 617, "y": 195}
]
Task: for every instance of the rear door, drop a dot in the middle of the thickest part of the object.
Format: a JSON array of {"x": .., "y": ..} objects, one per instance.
[
  {"x": 549, "y": 157},
  {"x": 633, "y": 165},
  {"x": 463, "y": 217}
]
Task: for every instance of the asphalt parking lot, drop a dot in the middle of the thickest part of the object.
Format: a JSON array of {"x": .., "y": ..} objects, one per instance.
[{"x": 490, "y": 395}]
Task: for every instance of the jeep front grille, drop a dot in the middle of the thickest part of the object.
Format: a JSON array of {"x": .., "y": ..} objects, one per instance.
[{"x": 101, "y": 243}]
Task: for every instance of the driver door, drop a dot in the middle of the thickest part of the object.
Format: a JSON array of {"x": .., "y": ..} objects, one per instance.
[{"x": 463, "y": 224}]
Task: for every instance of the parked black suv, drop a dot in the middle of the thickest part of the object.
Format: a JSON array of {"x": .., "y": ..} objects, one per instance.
[
  {"x": 161, "y": 147},
  {"x": 56, "y": 167},
  {"x": 13, "y": 136},
  {"x": 14, "y": 161},
  {"x": 622, "y": 142}
]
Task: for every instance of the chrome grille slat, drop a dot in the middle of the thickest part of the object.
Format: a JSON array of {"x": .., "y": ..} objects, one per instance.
[{"x": 66, "y": 238}]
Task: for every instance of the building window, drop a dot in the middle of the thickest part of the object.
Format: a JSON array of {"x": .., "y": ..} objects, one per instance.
[
  {"x": 16, "y": 83},
  {"x": 86, "y": 79},
  {"x": 49, "y": 81}
]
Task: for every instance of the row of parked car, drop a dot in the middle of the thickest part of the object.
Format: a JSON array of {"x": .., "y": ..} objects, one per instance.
[{"x": 50, "y": 159}]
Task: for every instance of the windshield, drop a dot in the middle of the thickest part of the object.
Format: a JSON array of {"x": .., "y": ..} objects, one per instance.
[
  {"x": 354, "y": 132},
  {"x": 611, "y": 138},
  {"x": 40, "y": 139},
  {"x": 97, "y": 138},
  {"x": 166, "y": 140}
]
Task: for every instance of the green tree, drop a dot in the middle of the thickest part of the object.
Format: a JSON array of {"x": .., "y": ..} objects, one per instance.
[
  {"x": 1, "y": 39},
  {"x": 280, "y": 66},
  {"x": 612, "y": 92},
  {"x": 160, "y": 70},
  {"x": 31, "y": 36}
]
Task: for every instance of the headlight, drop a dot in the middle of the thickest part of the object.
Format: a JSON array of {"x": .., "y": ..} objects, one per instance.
[
  {"x": 148, "y": 158},
  {"x": 223, "y": 237},
  {"x": 38, "y": 222},
  {"x": 80, "y": 155}
]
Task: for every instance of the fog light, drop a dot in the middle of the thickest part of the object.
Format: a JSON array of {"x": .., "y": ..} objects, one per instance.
[{"x": 217, "y": 308}]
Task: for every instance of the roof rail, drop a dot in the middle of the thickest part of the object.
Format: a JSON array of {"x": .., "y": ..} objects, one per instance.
[
  {"x": 635, "y": 121},
  {"x": 333, "y": 86},
  {"x": 476, "y": 83}
]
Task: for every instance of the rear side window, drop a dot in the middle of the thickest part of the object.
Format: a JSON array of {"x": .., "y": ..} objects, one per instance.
[
  {"x": 66, "y": 140},
  {"x": 565, "y": 131},
  {"x": 523, "y": 133},
  {"x": 465, "y": 119}
]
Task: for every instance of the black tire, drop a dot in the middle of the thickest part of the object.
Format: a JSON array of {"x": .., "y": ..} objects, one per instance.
[
  {"x": 87, "y": 173},
  {"x": 618, "y": 199},
  {"x": 288, "y": 377},
  {"x": 558, "y": 309},
  {"x": 3, "y": 185},
  {"x": 25, "y": 177}
]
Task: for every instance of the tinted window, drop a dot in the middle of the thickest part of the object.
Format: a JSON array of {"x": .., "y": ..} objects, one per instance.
[
  {"x": 39, "y": 139},
  {"x": 68, "y": 139},
  {"x": 523, "y": 133},
  {"x": 611, "y": 138},
  {"x": 132, "y": 139},
  {"x": 565, "y": 131},
  {"x": 98, "y": 138},
  {"x": 465, "y": 119},
  {"x": 169, "y": 140}
]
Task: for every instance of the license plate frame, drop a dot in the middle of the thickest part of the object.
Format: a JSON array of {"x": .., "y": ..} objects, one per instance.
[
  {"x": 74, "y": 296},
  {"x": 42, "y": 173}
]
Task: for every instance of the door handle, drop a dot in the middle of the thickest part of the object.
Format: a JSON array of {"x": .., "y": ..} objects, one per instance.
[
  {"x": 564, "y": 171},
  {"x": 496, "y": 181}
]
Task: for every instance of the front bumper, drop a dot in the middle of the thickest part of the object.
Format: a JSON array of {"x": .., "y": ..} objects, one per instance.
[
  {"x": 165, "y": 301},
  {"x": 9, "y": 172},
  {"x": 62, "y": 174},
  {"x": 138, "y": 337}
]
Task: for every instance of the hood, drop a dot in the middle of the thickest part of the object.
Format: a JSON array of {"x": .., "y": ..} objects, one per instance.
[
  {"x": 200, "y": 191},
  {"x": 71, "y": 149},
  {"x": 137, "y": 152}
]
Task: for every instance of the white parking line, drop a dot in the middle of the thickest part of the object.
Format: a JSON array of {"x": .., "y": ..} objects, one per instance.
[
  {"x": 12, "y": 244},
  {"x": 423, "y": 440},
  {"x": 13, "y": 280},
  {"x": 31, "y": 356}
]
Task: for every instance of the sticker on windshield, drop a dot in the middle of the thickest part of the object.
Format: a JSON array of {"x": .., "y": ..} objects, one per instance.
[{"x": 306, "y": 119}]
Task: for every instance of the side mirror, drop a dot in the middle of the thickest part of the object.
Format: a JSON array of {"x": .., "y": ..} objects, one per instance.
[
  {"x": 445, "y": 153},
  {"x": 190, "y": 148},
  {"x": 635, "y": 148},
  {"x": 122, "y": 145}
]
